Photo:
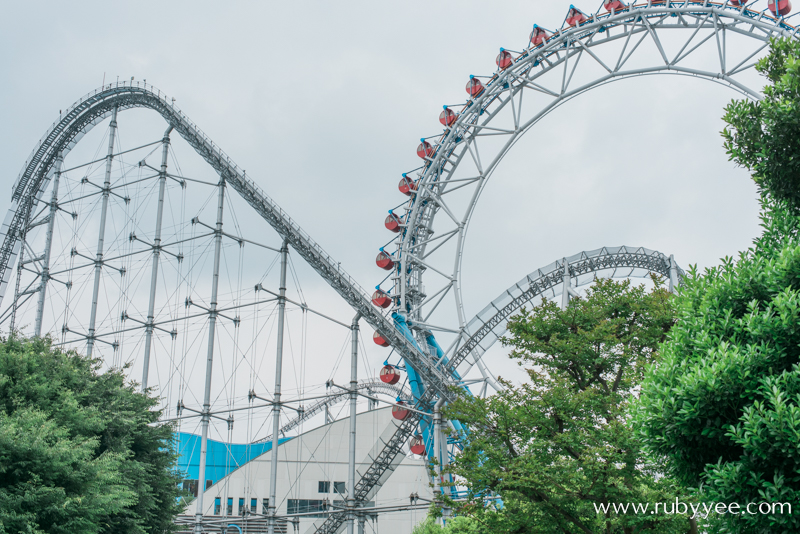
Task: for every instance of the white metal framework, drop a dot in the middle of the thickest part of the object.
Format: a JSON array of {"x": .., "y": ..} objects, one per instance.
[{"x": 76, "y": 234}]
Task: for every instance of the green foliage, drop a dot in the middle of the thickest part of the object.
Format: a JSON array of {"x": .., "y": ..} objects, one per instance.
[
  {"x": 554, "y": 448},
  {"x": 77, "y": 454},
  {"x": 723, "y": 405},
  {"x": 762, "y": 136},
  {"x": 455, "y": 525}
]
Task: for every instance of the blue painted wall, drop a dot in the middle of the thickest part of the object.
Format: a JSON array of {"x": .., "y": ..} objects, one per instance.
[{"x": 222, "y": 459}]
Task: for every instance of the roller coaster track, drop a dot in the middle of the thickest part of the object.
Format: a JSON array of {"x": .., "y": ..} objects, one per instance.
[
  {"x": 561, "y": 54},
  {"x": 459, "y": 142},
  {"x": 96, "y": 106},
  {"x": 621, "y": 261},
  {"x": 371, "y": 386}
]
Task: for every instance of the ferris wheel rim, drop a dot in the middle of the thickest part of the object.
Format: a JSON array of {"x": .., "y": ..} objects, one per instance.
[{"x": 408, "y": 264}]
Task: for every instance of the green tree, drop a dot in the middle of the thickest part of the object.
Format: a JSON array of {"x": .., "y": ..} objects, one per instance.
[
  {"x": 558, "y": 448},
  {"x": 78, "y": 449},
  {"x": 723, "y": 405},
  {"x": 455, "y": 525}
]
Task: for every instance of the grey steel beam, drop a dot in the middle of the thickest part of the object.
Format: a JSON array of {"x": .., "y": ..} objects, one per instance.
[
  {"x": 276, "y": 396},
  {"x": 151, "y": 306},
  {"x": 212, "y": 323},
  {"x": 98, "y": 262},
  {"x": 48, "y": 243}
]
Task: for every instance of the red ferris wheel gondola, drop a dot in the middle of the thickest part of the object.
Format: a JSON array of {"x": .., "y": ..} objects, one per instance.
[
  {"x": 474, "y": 87},
  {"x": 393, "y": 223},
  {"x": 380, "y": 340},
  {"x": 575, "y": 16},
  {"x": 504, "y": 59},
  {"x": 417, "y": 445},
  {"x": 389, "y": 375},
  {"x": 779, "y": 8},
  {"x": 538, "y": 36},
  {"x": 447, "y": 117},
  {"x": 407, "y": 186},
  {"x": 384, "y": 260},
  {"x": 400, "y": 411},
  {"x": 424, "y": 150},
  {"x": 381, "y": 299}
]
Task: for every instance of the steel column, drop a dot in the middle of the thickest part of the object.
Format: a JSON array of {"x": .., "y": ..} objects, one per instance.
[
  {"x": 162, "y": 183},
  {"x": 98, "y": 262},
  {"x": 212, "y": 323},
  {"x": 276, "y": 406},
  {"x": 437, "y": 449},
  {"x": 45, "y": 277},
  {"x": 673, "y": 274},
  {"x": 351, "y": 465},
  {"x": 566, "y": 286}
]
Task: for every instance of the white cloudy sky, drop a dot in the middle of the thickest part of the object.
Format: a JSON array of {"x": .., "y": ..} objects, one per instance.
[{"x": 324, "y": 103}]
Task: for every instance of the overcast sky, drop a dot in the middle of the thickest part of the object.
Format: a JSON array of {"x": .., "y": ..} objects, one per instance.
[{"x": 324, "y": 103}]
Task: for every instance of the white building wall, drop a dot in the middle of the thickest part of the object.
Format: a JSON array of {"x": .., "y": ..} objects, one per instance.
[{"x": 321, "y": 454}]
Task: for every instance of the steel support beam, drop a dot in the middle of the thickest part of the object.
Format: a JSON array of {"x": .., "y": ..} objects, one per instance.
[
  {"x": 48, "y": 243},
  {"x": 351, "y": 459},
  {"x": 151, "y": 306},
  {"x": 276, "y": 397},
  {"x": 212, "y": 323},
  {"x": 98, "y": 262}
]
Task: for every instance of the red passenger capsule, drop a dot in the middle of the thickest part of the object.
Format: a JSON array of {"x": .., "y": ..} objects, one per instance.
[
  {"x": 447, "y": 117},
  {"x": 399, "y": 411},
  {"x": 417, "y": 445},
  {"x": 617, "y": 5},
  {"x": 424, "y": 150},
  {"x": 381, "y": 299},
  {"x": 538, "y": 36},
  {"x": 575, "y": 17},
  {"x": 379, "y": 340},
  {"x": 389, "y": 375},
  {"x": 504, "y": 59},
  {"x": 384, "y": 261},
  {"x": 393, "y": 223},
  {"x": 474, "y": 87},
  {"x": 737, "y": 3},
  {"x": 779, "y": 7},
  {"x": 407, "y": 185}
]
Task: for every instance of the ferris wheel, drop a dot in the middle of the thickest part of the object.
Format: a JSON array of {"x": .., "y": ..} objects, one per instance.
[{"x": 134, "y": 253}]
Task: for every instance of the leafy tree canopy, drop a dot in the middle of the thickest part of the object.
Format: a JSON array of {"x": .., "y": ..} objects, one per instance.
[
  {"x": 78, "y": 454},
  {"x": 723, "y": 404},
  {"x": 554, "y": 448}
]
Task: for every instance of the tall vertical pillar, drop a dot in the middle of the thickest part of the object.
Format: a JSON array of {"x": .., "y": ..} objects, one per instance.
[
  {"x": 98, "y": 262},
  {"x": 212, "y": 323},
  {"x": 673, "y": 274},
  {"x": 48, "y": 243},
  {"x": 276, "y": 407},
  {"x": 351, "y": 461},
  {"x": 26, "y": 206},
  {"x": 162, "y": 184},
  {"x": 567, "y": 285}
]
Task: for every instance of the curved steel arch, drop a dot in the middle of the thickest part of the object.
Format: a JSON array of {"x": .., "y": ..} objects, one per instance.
[
  {"x": 624, "y": 262},
  {"x": 547, "y": 71}
]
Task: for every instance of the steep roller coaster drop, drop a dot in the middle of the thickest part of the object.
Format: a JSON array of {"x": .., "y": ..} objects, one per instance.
[{"x": 59, "y": 280}]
